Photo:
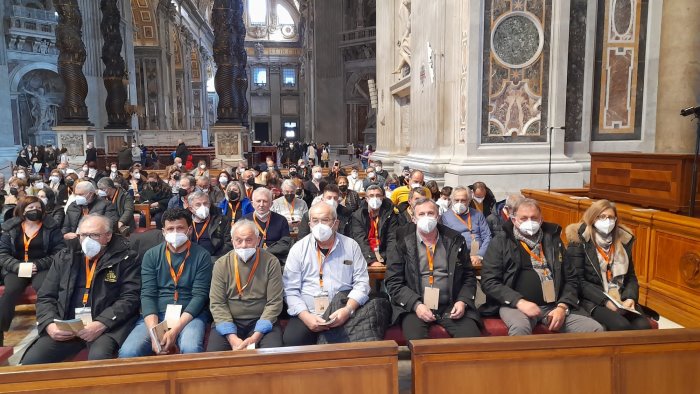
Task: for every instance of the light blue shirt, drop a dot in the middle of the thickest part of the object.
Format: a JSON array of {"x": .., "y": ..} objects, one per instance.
[
  {"x": 480, "y": 227},
  {"x": 343, "y": 269}
]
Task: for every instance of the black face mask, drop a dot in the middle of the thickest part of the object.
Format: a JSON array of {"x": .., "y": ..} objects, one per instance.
[
  {"x": 182, "y": 192},
  {"x": 69, "y": 181},
  {"x": 232, "y": 196},
  {"x": 153, "y": 184},
  {"x": 176, "y": 177},
  {"x": 13, "y": 191},
  {"x": 34, "y": 215},
  {"x": 343, "y": 188},
  {"x": 289, "y": 197},
  {"x": 250, "y": 181}
]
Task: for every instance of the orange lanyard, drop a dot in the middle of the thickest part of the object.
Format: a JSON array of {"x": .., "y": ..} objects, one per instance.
[
  {"x": 176, "y": 278},
  {"x": 263, "y": 232},
  {"x": 291, "y": 208},
  {"x": 89, "y": 273},
  {"x": 430, "y": 250},
  {"x": 250, "y": 276},
  {"x": 539, "y": 258},
  {"x": 28, "y": 240},
  {"x": 86, "y": 211},
  {"x": 233, "y": 211},
  {"x": 116, "y": 193},
  {"x": 199, "y": 234},
  {"x": 468, "y": 223},
  {"x": 321, "y": 260},
  {"x": 249, "y": 192},
  {"x": 375, "y": 224},
  {"x": 607, "y": 257}
]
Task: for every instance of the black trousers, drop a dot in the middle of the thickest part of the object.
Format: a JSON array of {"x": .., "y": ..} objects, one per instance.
[
  {"x": 14, "y": 287},
  {"x": 415, "y": 328},
  {"x": 614, "y": 321},
  {"x": 217, "y": 343},
  {"x": 46, "y": 350},
  {"x": 297, "y": 334}
]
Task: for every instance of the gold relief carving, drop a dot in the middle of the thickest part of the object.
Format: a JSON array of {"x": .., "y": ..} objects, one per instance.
[
  {"x": 228, "y": 144},
  {"x": 73, "y": 143},
  {"x": 690, "y": 269}
]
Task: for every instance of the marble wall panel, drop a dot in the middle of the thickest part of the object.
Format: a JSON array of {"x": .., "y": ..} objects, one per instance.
[{"x": 576, "y": 69}]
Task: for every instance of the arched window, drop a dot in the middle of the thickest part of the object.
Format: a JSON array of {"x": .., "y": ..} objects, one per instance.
[
  {"x": 272, "y": 20},
  {"x": 257, "y": 11},
  {"x": 284, "y": 17}
]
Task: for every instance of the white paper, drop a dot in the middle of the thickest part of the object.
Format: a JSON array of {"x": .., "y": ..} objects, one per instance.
[
  {"x": 25, "y": 270},
  {"x": 172, "y": 315}
]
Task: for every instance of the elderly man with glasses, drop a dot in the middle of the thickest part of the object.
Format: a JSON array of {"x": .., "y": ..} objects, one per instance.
[
  {"x": 96, "y": 279},
  {"x": 86, "y": 202}
]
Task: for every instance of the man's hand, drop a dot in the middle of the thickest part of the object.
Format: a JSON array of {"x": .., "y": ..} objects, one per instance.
[
  {"x": 376, "y": 264},
  {"x": 313, "y": 322},
  {"x": 58, "y": 335},
  {"x": 169, "y": 340},
  {"x": 476, "y": 261},
  {"x": 234, "y": 341},
  {"x": 530, "y": 309},
  {"x": 424, "y": 313},
  {"x": 458, "y": 310},
  {"x": 70, "y": 236},
  {"x": 628, "y": 303},
  {"x": 610, "y": 305},
  {"x": 92, "y": 331},
  {"x": 34, "y": 269},
  {"x": 556, "y": 318},
  {"x": 341, "y": 317},
  {"x": 154, "y": 205},
  {"x": 255, "y": 338}
]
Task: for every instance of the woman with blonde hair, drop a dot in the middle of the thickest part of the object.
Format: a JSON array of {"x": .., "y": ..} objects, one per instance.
[{"x": 601, "y": 250}]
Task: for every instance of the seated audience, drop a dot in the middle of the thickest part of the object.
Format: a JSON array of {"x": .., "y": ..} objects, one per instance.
[
  {"x": 483, "y": 199},
  {"x": 290, "y": 206},
  {"x": 273, "y": 227},
  {"x": 405, "y": 209},
  {"x": 330, "y": 196},
  {"x": 430, "y": 279},
  {"x": 501, "y": 214},
  {"x": 201, "y": 170},
  {"x": 156, "y": 194},
  {"x": 335, "y": 172},
  {"x": 122, "y": 201},
  {"x": 417, "y": 179},
  {"x": 405, "y": 177},
  {"x": 204, "y": 185},
  {"x": 381, "y": 171},
  {"x": 434, "y": 189},
  {"x": 86, "y": 202},
  {"x": 236, "y": 204},
  {"x": 527, "y": 280},
  {"x": 210, "y": 230},
  {"x": 246, "y": 294},
  {"x": 349, "y": 198},
  {"x": 372, "y": 179},
  {"x": 48, "y": 198},
  {"x": 176, "y": 276},
  {"x": 470, "y": 223},
  {"x": 97, "y": 279},
  {"x": 373, "y": 226},
  {"x": 601, "y": 250},
  {"x": 314, "y": 187},
  {"x": 354, "y": 181},
  {"x": 186, "y": 185},
  {"x": 248, "y": 180},
  {"x": 445, "y": 199}
]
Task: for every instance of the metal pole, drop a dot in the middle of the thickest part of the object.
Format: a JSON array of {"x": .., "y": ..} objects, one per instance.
[{"x": 694, "y": 181}]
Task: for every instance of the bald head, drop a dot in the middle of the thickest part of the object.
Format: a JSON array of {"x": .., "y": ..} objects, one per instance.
[{"x": 322, "y": 213}]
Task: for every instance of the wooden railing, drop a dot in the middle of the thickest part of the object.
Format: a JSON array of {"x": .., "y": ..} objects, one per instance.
[{"x": 666, "y": 251}]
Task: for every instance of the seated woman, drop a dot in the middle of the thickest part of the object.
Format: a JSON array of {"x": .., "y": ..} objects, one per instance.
[
  {"x": 601, "y": 250},
  {"x": 236, "y": 204},
  {"x": 31, "y": 237},
  {"x": 47, "y": 196}
]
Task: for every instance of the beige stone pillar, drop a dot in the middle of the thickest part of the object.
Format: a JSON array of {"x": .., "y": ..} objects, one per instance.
[{"x": 679, "y": 76}]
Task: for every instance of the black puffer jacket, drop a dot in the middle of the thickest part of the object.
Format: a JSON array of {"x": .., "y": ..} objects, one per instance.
[
  {"x": 98, "y": 205},
  {"x": 52, "y": 242},
  {"x": 359, "y": 228},
  {"x": 368, "y": 323},
  {"x": 582, "y": 253}
]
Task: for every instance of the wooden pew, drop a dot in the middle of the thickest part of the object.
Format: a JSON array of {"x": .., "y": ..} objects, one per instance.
[
  {"x": 370, "y": 367},
  {"x": 651, "y": 361}
]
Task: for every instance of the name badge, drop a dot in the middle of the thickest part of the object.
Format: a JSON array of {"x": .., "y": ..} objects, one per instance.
[
  {"x": 172, "y": 315},
  {"x": 84, "y": 314},
  {"x": 431, "y": 297},
  {"x": 25, "y": 270},
  {"x": 378, "y": 256},
  {"x": 548, "y": 291},
  {"x": 474, "y": 248},
  {"x": 251, "y": 346},
  {"x": 321, "y": 303}
]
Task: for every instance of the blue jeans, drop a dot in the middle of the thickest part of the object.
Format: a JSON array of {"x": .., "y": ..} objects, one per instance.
[{"x": 190, "y": 340}]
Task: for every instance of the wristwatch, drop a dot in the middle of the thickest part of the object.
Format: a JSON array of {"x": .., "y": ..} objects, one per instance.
[
  {"x": 565, "y": 308},
  {"x": 352, "y": 311}
]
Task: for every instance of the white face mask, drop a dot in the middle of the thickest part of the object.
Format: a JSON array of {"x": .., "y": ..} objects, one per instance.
[
  {"x": 179, "y": 165},
  {"x": 245, "y": 253},
  {"x": 605, "y": 226},
  {"x": 44, "y": 200},
  {"x": 202, "y": 212},
  {"x": 426, "y": 224},
  {"x": 322, "y": 232},
  {"x": 80, "y": 200},
  {"x": 223, "y": 180},
  {"x": 480, "y": 200},
  {"x": 102, "y": 193},
  {"x": 54, "y": 179},
  {"x": 113, "y": 169},
  {"x": 318, "y": 176},
  {"x": 176, "y": 239},
  {"x": 21, "y": 175},
  {"x": 353, "y": 174},
  {"x": 529, "y": 227},
  {"x": 442, "y": 203},
  {"x": 91, "y": 248},
  {"x": 459, "y": 208},
  {"x": 374, "y": 203},
  {"x": 415, "y": 185},
  {"x": 262, "y": 216},
  {"x": 378, "y": 168},
  {"x": 332, "y": 203},
  {"x": 39, "y": 185},
  {"x": 137, "y": 175},
  {"x": 202, "y": 166}
]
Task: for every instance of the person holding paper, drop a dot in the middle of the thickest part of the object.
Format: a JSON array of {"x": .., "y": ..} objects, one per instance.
[
  {"x": 430, "y": 279},
  {"x": 469, "y": 222},
  {"x": 245, "y": 298},
  {"x": 374, "y": 225},
  {"x": 29, "y": 241},
  {"x": 95, "y": 280},
  {"x": 601, "y": 250},
  {"x": 176, "y": 276},
  {"x": 319, "y": 266},
  {"x": 527, "y": 280}
]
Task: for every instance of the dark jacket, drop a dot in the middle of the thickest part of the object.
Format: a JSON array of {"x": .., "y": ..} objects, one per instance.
[
  {"x": 124, "y": 158},
  {"x": 352, "y": 200},
  {"x": 124, "y": 205},
  {"x": 91, "y": 155},
  {"x": 403, "y": 277},
  {"x": 115, "y": 291},
  {"x": 141, "y": 242},
  {"x": 278, "y": 240},
  {"x": 311, "y": 191},
  {"x": 489, "y": 201},
  {"x": 52, "y": 242},
  {"x": 75, "y": 213},
  {"x": 219, "y": 231},
  {"x": 359, "y": 227},
  {"x": 582, "y": 254},
  {"x": 504, "y": 259},
  {"x": 496, "y": 219},
  {"x": 182, "y": 152},
  {"x": 344, "y": 216}
]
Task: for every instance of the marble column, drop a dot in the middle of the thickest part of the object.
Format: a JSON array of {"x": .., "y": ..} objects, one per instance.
[
  {"x": 275, "y": 103},
  {"x": 71, "y": 58},
  {"x": 679, "y": 81},
  {"x": 115, "y": 67}
]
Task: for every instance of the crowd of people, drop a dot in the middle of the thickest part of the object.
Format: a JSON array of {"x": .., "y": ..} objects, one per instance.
[{"x": 234, "y": 253}]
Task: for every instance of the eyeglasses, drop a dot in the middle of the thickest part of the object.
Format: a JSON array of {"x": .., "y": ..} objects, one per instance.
[
  {"x": 95, "y": 236},
  {"x": 327, "y": 222},
  {"x": 603, "y": 217}
]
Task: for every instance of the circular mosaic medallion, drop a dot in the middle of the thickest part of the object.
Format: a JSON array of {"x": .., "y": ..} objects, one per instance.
[{"x": 517, "y": 40}]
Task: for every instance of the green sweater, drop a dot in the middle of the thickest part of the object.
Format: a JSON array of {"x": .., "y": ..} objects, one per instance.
[{"x": 158, "y": 287}]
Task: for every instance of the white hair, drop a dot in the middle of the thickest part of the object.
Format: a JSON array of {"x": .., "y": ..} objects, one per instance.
[
  {"x": 264, "y": 190},
  {"x": 85, "y": 186},
  {"x": 196, "y": 195},
  {"x": 106, "y": 222},
  {"x": 460, "y": 189},
  {"x": 245, "y": 223},
  {"x": 288, "y": 184}
]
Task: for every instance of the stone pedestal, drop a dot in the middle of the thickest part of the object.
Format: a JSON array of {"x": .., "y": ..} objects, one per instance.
[
  {"x": 74, "y": 139},
  {"x": 230, "y": 142}
]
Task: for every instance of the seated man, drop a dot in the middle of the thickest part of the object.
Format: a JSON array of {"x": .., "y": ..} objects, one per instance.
[
  {"x": 289, "y": 205},
  {"x": 405, "y": 215},
  {"x": 248, "y": 181},
  {"x": 86, "y": 202},
  {"x": 372, "y": 179},
  {"x": 483, "y": 200},
  {"x": 373, "y": 226},
  {"x": 314, "y": 186},
  {"x": 246, "y": 294},
  {"x": 215, "y": 194},
  {"x": 526, "y": 278},
  {"x": 187, "y": 185},
  {"x": 97, "y": 279},
  {"x": 501, "y": 214},
  {"x": 273, "y": 226},
  {"x": 430, "y": 279},
  {"x": 416, "y": 179},
  {"x": 176, "y": 276},
  {"x": 469, "y": 222},
  {"x": 382, "y": 172},
  {"x": 123, "y": 203},
  {"x": 318, "y": 267},
  {"x": 331, "y": 196},
  {"x": 210, "y": 229}
]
